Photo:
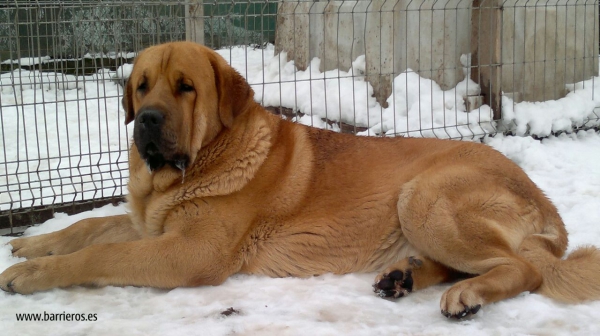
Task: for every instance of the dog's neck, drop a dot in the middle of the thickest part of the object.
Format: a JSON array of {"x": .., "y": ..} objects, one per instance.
[
  {"x": 222, "y": 167},
  {"x": 230, "y": 161}
]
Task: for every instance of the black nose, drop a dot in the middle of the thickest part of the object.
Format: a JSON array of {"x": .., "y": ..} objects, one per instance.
[{"x": 151, "y": 119}]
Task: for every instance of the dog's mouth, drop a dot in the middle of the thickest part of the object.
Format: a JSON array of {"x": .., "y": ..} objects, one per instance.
[{"x": 155, "y": 159}]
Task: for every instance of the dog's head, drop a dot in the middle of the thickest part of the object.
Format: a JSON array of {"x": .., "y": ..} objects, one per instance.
[{"x": 180, "y": 96}]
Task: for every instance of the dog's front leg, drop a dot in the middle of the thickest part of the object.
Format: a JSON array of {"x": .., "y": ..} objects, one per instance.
[
  {"x": 89, "y": 231},
  {"x": 167, "y": 261}
]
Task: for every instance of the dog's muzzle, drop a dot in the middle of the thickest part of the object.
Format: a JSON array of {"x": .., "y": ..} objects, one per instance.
[{"x": 147, "y": 134}]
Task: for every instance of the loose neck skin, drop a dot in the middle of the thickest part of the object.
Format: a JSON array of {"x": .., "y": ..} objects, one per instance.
[{"x": 222, "y": 167}]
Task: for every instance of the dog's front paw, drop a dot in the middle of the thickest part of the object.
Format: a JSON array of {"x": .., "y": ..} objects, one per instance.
[
  {"x": 29, "y": 276},
  {"x": 34, "y": 247}
]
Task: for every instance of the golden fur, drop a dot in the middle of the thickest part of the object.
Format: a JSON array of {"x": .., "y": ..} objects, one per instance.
[{"x": 242, "y": 191}]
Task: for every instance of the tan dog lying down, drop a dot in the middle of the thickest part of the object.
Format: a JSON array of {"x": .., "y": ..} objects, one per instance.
[{"x": 219, "y": 186}]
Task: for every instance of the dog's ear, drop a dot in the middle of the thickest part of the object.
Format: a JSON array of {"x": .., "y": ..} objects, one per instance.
[
  {"x": 234, "y": 92},
  {"x": 127, "y": 102}
]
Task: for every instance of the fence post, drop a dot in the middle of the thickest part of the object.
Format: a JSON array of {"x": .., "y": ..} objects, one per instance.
[
  {"x": 379, "y": 49},
  {"x": 486, "y": 51},
  {"x": 293, "y": 29},
  {"x": 194, "y": 22}
]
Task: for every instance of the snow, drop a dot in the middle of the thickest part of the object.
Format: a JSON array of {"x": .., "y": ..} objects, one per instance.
[
  {"x": 567, "y": 167},
  {"x": 576, "y": 109},
  {"x": 124, "y": 71},
  {"x": 29, "y": 61},
  {"x": 417, "y": 106}
]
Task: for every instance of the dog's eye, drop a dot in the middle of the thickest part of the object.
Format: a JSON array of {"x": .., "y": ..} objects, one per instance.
[
  {"x": 185, "y": 87},
  {"x": 142, "y": 87}
]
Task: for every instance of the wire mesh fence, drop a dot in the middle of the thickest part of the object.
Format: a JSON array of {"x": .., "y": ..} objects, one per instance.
[{"x": 436, "y": 68}]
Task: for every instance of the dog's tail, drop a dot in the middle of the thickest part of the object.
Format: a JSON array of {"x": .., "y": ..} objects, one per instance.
[{"x": 574, "y": 279}]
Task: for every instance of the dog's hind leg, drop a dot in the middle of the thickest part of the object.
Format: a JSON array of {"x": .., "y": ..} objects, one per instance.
[
  {"x": 505, "y": 277},
  {"x": 474, "y": 232}
]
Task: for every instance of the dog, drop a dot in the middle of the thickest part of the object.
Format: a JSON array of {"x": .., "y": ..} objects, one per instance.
[{"x": 219, "y": 186}]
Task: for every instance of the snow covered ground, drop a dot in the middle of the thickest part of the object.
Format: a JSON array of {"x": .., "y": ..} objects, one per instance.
[
  {"x": 64, "y": 139},
  {"x": 567, "y": 167}
]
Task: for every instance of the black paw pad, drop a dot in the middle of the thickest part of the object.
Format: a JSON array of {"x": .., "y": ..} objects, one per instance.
[
  {"x": 386, "y": 284},
  {"x": 396, "y": 275},
  {"x": 468, "y": 311},
  {"x": 394, "y": 284}
]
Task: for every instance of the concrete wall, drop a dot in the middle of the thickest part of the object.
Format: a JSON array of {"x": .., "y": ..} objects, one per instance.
[
  {"x": 393, "y": 36},
  {"x": 430, "y": 37},
  {"x": 529, "y": 48},
  {"x": 334, "y": 31},
  {"x": 547, "y": 46}
]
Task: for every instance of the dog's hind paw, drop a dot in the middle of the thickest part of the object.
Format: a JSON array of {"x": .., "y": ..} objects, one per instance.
[
  {"x": 394, "y": 284},
  {"x": 397, "y": 280}
]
